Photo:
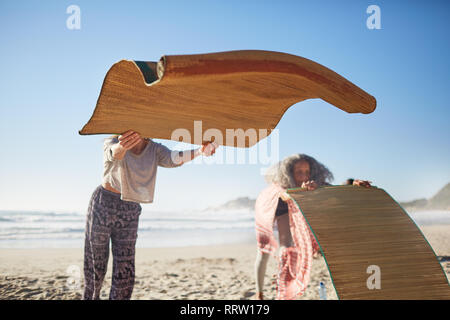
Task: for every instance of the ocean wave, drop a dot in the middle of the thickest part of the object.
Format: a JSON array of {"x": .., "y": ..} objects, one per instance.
[
  {"x": 195, "y": 228},
  {"x": 43, "y": 237},
  {"x": 5, "y": 233},
  {"x": 38, "y": 225},
  {"x": 198, "y": 219},
  {"x": 39, "y": 213},
  {"x": 430, "y": 217}
]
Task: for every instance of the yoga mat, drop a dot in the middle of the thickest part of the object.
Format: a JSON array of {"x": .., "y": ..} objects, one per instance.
[
  {"x": 243, "y": 90},
  {"x": 358, "y": 228}
]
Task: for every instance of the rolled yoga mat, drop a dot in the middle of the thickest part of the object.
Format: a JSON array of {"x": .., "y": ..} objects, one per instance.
[
  {"x": 244, "y": 90},
  {"x": 360, "y": 229}
]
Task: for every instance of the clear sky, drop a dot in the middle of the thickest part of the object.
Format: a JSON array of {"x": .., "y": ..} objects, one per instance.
[{"x": 51, "y": 77}]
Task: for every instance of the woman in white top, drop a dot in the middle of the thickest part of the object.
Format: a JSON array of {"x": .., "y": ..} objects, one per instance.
[{"x": 129, "y": 175}]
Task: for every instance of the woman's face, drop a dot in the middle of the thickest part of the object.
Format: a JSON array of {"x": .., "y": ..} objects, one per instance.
[{"x": 301, "y": 172}]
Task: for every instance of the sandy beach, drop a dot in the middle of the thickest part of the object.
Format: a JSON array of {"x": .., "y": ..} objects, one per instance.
[{"x": 196, "y": 272}]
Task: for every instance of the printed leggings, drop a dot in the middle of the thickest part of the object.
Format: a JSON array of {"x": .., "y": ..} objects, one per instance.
[{"x": 110, "y": 218}]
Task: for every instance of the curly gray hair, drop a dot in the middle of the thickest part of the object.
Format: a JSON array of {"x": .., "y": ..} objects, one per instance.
[{"x": 281, "y": 173}]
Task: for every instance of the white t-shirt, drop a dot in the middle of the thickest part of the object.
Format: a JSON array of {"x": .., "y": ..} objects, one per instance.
[{"x": 135, "y": 175}]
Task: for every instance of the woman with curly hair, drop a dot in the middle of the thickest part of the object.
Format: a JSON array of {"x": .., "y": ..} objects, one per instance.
[{"x": 297, "y": 245}]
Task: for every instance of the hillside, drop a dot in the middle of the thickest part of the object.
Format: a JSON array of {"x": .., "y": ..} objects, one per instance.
[
  {"x": 239, "y": 203},
  {"x": 440, "y": 201}
]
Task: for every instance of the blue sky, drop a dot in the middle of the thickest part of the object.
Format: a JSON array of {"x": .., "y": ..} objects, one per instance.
[{"x": 51, "y": 78}]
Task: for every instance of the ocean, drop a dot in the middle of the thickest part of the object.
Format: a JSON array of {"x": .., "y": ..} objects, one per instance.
[{"x": 28, "y": 229}]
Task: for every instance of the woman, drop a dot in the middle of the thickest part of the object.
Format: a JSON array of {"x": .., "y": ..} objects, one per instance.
[
  {"x": 130, "y": 163},
  {"x": 298, "y": 170}
]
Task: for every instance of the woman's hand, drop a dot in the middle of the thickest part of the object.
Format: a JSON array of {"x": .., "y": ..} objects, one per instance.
[
  {"x": 362, "y": 183},
  {"x": 129, "y": 139},
  {"x": 208, "y": 148},
  {"x": 309, "y": 185}
]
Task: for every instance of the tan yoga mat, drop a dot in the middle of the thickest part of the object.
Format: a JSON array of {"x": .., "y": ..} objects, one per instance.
[
  {"x": 242, "y": 91},
  {"x": 361, "y": 229}
]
